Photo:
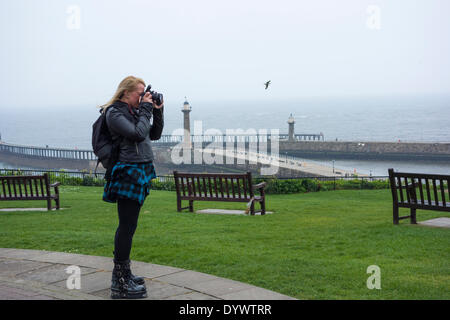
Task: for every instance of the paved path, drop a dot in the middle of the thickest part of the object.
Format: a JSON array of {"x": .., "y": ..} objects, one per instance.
[
  {"x": 310, "y": 167},
  {"x": 34, "y": 274}
]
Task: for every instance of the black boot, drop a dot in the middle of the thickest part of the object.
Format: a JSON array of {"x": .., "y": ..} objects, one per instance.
[
  {"x": 122, "y": 286},
  {"x": 136, "y": 279}
]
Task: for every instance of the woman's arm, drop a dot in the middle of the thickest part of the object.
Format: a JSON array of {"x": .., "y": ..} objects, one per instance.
[
  {"x": 158, "y": 123},
  {"x": 118, "y": 123}
]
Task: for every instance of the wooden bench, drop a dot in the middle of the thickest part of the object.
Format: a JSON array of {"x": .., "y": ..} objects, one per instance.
[
  {"x": 432, "y": 189},
  {"x": 29, "y": 188},
  {"x": 219, "y": 187}
]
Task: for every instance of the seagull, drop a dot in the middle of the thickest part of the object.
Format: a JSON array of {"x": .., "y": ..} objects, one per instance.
[{"x": 267, "y": 84}]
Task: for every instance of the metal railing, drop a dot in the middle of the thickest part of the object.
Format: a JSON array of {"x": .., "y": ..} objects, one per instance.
[
  {"x": 69, "y": 177},
  {"x": 66, "y": 177},
  {"x": 79, "y": 154}
]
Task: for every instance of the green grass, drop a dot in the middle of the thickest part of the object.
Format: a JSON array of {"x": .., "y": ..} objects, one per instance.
[{"x": 315, "y": 245}]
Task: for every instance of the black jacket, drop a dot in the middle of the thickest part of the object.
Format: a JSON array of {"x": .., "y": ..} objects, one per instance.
[{"x": 136, "y": 129}]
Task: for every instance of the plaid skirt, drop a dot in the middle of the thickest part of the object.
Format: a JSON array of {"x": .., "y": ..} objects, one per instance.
[{"x": 129, "y": 181}]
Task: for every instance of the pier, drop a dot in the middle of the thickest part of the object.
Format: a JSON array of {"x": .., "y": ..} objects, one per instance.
[{"x": 293, "y": 147}]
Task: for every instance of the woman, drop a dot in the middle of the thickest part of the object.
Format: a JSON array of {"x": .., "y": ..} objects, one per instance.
[{"x": 128, "y": 118}]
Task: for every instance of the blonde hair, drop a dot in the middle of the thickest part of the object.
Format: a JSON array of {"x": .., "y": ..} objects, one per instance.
[{"x": 130, "y": 83}]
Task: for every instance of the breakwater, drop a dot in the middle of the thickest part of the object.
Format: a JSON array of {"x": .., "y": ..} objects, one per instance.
[{"x": 366, "y": 150}]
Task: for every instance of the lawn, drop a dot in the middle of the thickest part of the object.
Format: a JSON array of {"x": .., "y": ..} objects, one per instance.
[{"x": 314, "y": 246}]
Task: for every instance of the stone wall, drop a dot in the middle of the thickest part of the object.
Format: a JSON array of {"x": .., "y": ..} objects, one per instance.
[{"x": 367, "y": 150}]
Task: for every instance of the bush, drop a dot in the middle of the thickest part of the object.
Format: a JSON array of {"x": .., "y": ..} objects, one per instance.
[{"x": 283, "y": 186}]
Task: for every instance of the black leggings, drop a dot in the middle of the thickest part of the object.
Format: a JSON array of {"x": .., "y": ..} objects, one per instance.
[{"x": 128, "y": 218}]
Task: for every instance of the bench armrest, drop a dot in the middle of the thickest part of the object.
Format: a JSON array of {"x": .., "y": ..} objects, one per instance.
[
  {"x": 56, "y": 184},
  {"x": 260, "y": 185}
]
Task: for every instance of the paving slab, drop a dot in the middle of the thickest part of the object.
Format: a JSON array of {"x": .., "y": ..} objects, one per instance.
[
  {"x": 152, "y": 270},
  {"x": 12, "y": 293},
  {"x": 91, "y": 282},
  {"x": 51, "y": 274},
  {"x": 255, "y": 294},
  {"x": 193, "y": 296},
  {"x": 227, "y": 211},
  {"x": 438, "y": 222},
  {"x": 187, "y": 278},
  {"x": 11, "y": 267},
  {"x": 20, "y": 289},
  {"x": 40, "y": 275}
]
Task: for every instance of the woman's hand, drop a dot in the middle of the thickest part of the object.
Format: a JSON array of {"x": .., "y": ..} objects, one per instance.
[
  {"x": 147, "y": 97},
  {"x": 160, "y": 106}
]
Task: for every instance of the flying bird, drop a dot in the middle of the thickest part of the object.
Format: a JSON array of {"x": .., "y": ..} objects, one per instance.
[{"x": 267, "y": 84}]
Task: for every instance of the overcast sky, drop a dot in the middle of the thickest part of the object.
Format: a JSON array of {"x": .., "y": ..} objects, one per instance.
[{"x": 56, "y": 53}]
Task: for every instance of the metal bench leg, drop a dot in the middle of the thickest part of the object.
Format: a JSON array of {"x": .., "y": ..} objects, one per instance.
[
  {"x": 263, "y": 206},
  {"x": 191, "y": 205},
  {"x": 49, "y": 204},
  {"x": 413, "y": 216},
  {"x": 178, "y": 205},
  {"x": 396, "y": 218}
]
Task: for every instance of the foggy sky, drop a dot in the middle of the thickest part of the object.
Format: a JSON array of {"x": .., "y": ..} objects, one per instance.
[{"x": 218, "y": 50}]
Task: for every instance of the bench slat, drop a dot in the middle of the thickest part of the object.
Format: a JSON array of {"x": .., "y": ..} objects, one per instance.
[
  {"x": 244, "y": 187},
  {"x": 3, "y": 194},
  {"x": 441, "y": 184},
  {"x": 400, "y": 188},
  {"x": 215, "y": 187},
  {"x": 199, "y": 185},
  {"x": 233, "y": 194},
  {"x": 204, "y": 185},
  {"x": 31, "y": 186},
  {"x": 421, "y": 190},
  {"x": 407, "y": 190},
  {"x": 25, "y": 187},
  {"x": 427, "y": 185},
  {"x": 436, "y": 198},
  {"x": 420, "y": 175},
  {"x": 221, "y": 186},
  {"x": 239, "y": 187},
  {"x": 210, "y": 186},
  {"x": 42, "y": 187},
  {"x": 14, "y": 187},
  {"x": 226, "y": 186},
  {"x": 182, "y": 185}
]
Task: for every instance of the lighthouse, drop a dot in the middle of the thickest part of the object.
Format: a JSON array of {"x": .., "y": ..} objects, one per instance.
[
  {"x": 291, "y": 128},
  {"x": 187, "y": 127}
]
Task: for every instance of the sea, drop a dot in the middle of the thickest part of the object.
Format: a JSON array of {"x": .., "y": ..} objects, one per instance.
[{"x": 419, "y": 118}]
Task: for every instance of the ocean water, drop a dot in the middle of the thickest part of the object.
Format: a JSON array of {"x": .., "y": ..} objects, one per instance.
[{"x": 413, "y": 119}]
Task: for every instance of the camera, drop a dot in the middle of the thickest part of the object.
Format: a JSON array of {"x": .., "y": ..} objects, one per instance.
[{"x": 156, "y": 97}]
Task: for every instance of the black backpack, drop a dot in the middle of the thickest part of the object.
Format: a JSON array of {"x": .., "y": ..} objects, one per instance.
[{"x": 106, "y": 150}]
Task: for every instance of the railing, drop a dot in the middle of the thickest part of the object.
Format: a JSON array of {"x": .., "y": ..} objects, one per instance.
[
  {"x": 66, "y": 177},
  {"x": 75, "y": 154},
  {"x": 40, "y": 152}
]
